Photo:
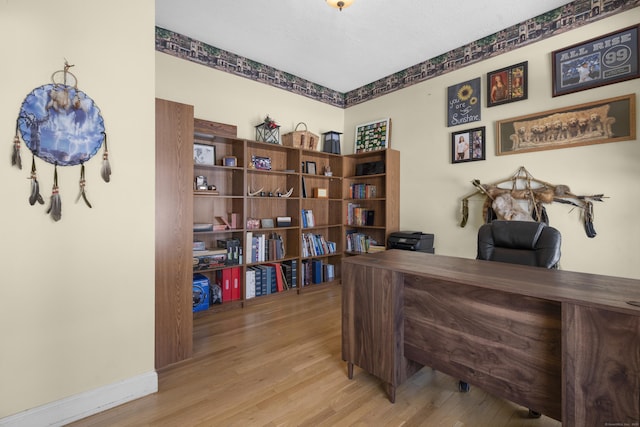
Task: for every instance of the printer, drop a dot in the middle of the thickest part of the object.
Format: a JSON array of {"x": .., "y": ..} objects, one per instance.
[{"x": 411, "y": 241}]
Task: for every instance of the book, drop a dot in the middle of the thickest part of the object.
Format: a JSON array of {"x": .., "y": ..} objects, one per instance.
[
  {"x": 316, "y": 271},
  {"x": 249, "y": 245},
  {"x": 278, "y": 276},
  {"x": 250, "y": 283},
  {"x": 291, "y": 272}
]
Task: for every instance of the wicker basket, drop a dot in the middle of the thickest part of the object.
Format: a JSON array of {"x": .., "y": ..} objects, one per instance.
[{"x": 301, "y": 139}]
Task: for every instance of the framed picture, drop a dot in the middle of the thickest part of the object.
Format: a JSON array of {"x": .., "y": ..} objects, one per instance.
[
  {"x": 310, "y": 168},
  {"x": 230, "y": 161},
  {"x": 204, "y": 154},
  {"x": 463, "y": 103},
  {"x": 373, "y": 136},
  {"x": 468, "y": 145},
  {"x": 608, "y": 120},
  {"x": 507, "y": 85},
  {"x": 266, "y": 222},
  {"x": 262, "y": 163},
  {"x": 597, "y": 62}
]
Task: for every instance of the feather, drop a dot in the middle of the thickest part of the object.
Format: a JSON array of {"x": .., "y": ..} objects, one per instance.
[
  {"x": 465, "y": 212},
  {"x": 55, "y": 206},
  {"x": 35, "y": 195},
  {"x": 82, "y": 193},
  {"x": 16, "y": 159},
  {"x": 105, "y": 170}
]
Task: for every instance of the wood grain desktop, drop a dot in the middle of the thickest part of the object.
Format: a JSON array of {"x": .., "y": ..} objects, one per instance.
[{"x": 562, "y": 343}]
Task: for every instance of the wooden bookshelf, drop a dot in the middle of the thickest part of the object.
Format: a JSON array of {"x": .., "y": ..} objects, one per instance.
[
  {"x": 262, "y": 183},
  {"x": 384, "y": 202}
]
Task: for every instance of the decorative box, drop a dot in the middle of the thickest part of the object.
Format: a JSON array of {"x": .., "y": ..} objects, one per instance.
[{"x": 200, "y": 292}]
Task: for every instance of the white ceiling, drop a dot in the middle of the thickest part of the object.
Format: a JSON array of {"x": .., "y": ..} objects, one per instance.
[{"x": 343, "y": 50}]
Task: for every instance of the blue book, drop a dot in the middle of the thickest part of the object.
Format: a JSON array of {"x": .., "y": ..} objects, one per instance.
[
  {"x": 316, "y": 271},
  {"x": 256, "y": 280}
]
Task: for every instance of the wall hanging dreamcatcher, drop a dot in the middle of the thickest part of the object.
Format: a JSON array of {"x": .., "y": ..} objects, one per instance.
[{"x": 61, "y": 125}]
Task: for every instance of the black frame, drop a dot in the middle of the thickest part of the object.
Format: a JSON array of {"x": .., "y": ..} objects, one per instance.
[
  {"x": 611, "y": 58},
  {"x": 516, "y": 90},
  {"x": 471, "y": 136},
  {"x": 310, "y": 168}
]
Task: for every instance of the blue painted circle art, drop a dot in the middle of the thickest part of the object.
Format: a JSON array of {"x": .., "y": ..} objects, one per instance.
[{"x": 61, "y": 125}]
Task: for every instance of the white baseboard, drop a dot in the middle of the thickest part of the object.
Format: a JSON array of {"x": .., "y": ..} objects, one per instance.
[{"x": 82, "y": 405}]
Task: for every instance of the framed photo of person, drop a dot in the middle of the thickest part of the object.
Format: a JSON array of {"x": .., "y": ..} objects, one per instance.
[
  {"x": 468, "y": 145},
  {"x": 204, "y": 154},
  {"x": 507, "y": 85}
]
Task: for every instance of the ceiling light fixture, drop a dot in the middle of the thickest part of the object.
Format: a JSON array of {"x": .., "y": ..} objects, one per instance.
[{"x": 339, "y": 4}]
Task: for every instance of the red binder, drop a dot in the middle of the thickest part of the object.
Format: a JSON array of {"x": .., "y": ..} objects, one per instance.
[
  {"x": 223, "y": 277},
  {"x": 235, "y": 283}
]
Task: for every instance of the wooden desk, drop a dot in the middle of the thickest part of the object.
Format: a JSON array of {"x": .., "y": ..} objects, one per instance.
[{"x": 562, "y": 343}]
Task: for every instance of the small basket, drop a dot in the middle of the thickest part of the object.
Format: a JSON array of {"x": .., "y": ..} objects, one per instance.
[{"x": 301, "y": 139}]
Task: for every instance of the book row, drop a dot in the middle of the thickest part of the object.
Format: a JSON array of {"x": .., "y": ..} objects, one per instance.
[
  {"x": 363, "y": 191},
  {"x": 264, "y": 247},
  {"x": 359, "y": 216},
  {"x": 358, "y": 242},
  {"x": 316, "y": 271},
  {"x": 316, "y": 244}
]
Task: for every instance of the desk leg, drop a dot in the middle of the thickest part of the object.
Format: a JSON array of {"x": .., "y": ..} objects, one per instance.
[
  {"x": 350, "y": 370},
  {"x": 391, "y": 392}
]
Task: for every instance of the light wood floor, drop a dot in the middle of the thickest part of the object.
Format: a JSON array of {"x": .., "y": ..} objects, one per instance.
[{"x": 278, "y": 363}]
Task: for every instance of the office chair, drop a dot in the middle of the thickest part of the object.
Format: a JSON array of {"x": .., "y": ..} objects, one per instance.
[{"x": 518, "y": 242}]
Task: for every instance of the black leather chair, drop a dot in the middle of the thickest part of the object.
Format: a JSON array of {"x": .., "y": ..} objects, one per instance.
[{"x": 518, "y": 242}]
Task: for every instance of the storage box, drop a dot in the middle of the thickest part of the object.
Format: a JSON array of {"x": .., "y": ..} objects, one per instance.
[
  {"x": 301, "y": 139},
  {"x": 200, "y": 292}
]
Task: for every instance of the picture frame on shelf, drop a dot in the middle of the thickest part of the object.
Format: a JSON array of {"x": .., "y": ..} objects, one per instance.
[
  {"x": 261, "y": 162},
  {"x": 607, "y": 120},
  {"x": 468, "y": 145},
  {"x": 603, "y": 60},
  {"x": 230, "y": 161},
  {"x": 373, "y": 136},
  {"x": 320, "y": 193},
  {"x": 507, "y": 85},
  {"x": 266, "y": 222},
  {"x": 310, "y": 168},
  {"x": 204, "y": 154}
]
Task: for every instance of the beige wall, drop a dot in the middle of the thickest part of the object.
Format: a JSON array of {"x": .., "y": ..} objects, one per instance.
[
  {"x": 77, "y": 296},
  {"x": 225, "y": 98},
  {"x": 432, "y": 187}
]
